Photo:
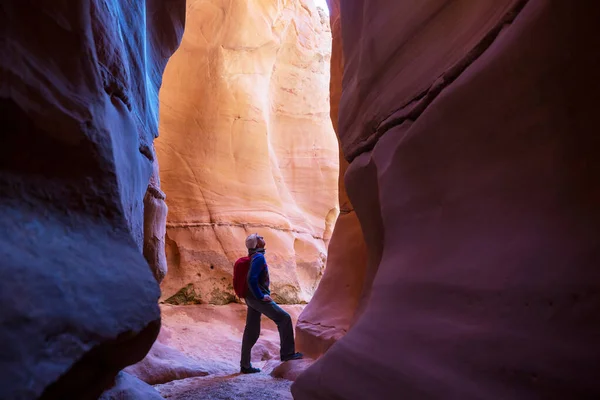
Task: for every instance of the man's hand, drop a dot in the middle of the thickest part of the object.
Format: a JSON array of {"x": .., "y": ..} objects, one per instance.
[{"x": 267, "y": 299}]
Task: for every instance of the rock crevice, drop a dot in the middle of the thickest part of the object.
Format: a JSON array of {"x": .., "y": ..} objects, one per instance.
[{"x": 410, "y": 111}]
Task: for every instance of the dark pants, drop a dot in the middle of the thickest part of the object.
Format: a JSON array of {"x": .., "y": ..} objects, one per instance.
[{"x": 252, "y": 331}]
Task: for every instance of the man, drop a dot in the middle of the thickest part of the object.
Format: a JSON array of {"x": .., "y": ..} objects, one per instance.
[{"x": 259, "y": 302}]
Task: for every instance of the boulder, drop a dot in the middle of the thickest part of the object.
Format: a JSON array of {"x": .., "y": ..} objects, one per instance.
[{"x": 128, "y": 387}]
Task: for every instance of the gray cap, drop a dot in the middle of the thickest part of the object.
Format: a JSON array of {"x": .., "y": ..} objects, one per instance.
[{"x": 252, "y": 241}]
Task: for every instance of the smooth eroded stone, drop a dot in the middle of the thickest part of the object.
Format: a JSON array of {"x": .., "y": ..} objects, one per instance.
[
  {"x": 128, "y": 387},
  {"x": 486, "y": 284},
  {"x": 247, "y": 146},
  {"x": 79, "y": 88}
]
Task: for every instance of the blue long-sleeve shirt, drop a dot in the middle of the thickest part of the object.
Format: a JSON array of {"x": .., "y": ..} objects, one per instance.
[{"x": 258, "y": 276}]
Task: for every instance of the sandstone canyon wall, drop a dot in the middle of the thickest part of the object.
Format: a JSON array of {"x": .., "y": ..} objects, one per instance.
[
  {"x": 330, "y": 312},
  {"x": 471, "y": 135},
  {"x": 247, "y": 146},
  {"x": 78, "y": 113}
]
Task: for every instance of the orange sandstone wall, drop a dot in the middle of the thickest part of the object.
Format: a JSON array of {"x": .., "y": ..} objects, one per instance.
[{"x": 247, "y": 146}]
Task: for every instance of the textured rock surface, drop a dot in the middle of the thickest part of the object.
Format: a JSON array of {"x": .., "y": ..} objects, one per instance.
[
  {"x": 211, "y": 336},
  {"x": 78, "y": 113},
  {"x": 328, "y": 315},
  {"x": 475, "y": 129},
  {"x": 237, "y": 386},
  {"x": 155, "y": 225},
  {"x": 292, "y": 369},
  {"x": 247, "y": 146},
  {"x": 165, "y": 364},
  {"x": 128, "y": 387}
]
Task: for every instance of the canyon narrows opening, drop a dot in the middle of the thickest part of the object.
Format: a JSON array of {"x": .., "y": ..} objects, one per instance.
[
  {"x": 463, "y": 263},
  {"x": 246, "y": 145}
]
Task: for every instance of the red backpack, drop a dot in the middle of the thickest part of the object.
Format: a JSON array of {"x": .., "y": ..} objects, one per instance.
[{"x": 240, "y": 276}]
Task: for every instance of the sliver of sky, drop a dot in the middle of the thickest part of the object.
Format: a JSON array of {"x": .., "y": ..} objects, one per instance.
[{"x": 322, "y": 4}]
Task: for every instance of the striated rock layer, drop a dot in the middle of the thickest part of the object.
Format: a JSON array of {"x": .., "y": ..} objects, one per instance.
[
  {"x": 78, "y": 113},
  {"x": 247, "y": 146},
  {"x": 470, "y": 132}
]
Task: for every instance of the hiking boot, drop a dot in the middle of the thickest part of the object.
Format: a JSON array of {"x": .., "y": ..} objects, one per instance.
[
  {"x": 295, "y": 356},
  {"x": 249, "y": 370}
]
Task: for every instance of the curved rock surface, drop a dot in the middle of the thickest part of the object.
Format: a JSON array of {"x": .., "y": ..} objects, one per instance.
[
  {"x": 155, "y": 225},
  {"x": 473, "y": 126},
  {"x": 330, "y": 312},
  {"x": 290, "y": 370},
  {"x": 78, "y": 112},
  {"x": 247, "y": 146},
  {"x": 165, "y": 364},
  {"x": 128, "y": 387}
]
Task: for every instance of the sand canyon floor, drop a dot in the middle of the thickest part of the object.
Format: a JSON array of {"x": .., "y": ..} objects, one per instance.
[{"x": 206, "y": 340}]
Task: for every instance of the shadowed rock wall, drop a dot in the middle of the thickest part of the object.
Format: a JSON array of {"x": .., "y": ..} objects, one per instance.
[
  {"x": 79, "y": 88},
  {"x": 328, "y": 315},
  {"x": 470, "y": 132}
]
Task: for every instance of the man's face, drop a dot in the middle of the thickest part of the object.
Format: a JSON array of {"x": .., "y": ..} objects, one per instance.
[{"x": 261, "y": 242}]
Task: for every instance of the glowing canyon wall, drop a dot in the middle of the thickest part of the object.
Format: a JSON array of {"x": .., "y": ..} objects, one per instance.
[
  {"x": 470, "y": 131},
  {"x": 247, "y": 146}
]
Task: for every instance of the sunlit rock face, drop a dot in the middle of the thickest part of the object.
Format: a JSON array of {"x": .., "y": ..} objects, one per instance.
[
  {"x": 79, "y": 113},
  {"x": 470, "y": 132},
  {"x": 247, "y": 146}
]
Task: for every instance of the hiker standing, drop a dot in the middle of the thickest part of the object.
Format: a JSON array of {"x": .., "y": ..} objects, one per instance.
[{"x": 254, "y": 288}]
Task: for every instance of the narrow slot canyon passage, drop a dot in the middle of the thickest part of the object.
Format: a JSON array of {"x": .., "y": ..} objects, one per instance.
[
  {"x": 246, "y": 145},
  {"x": 425, "y": 175}
]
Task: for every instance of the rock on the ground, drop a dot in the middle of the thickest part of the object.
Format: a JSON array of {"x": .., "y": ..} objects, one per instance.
[
  {"x": 231, "y": 387},
  {"x": 164, "y": 364},
  {"x": 128, "y": 387},
  {"x": 78, "y": 113},
  {"x": 290, "y": 370},
  {"x": 471, "y": 132},
  {"x": 247, "y": 146}
]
